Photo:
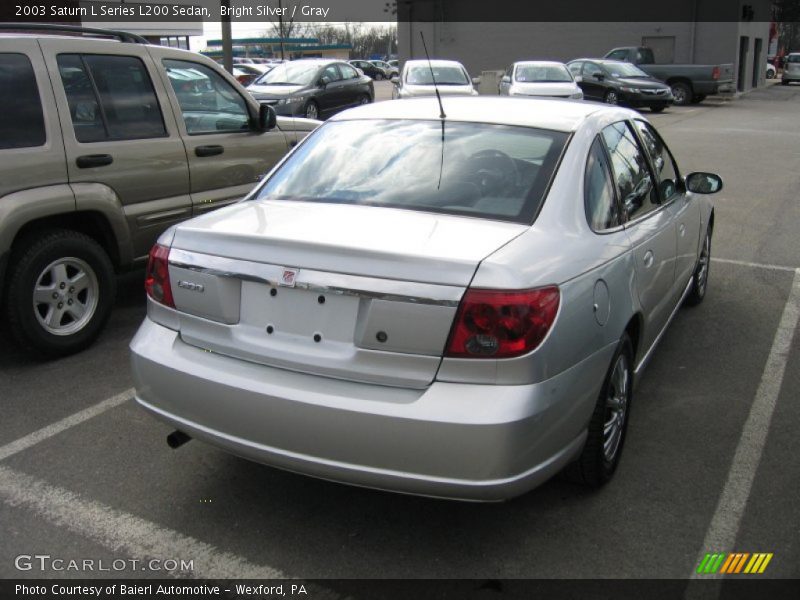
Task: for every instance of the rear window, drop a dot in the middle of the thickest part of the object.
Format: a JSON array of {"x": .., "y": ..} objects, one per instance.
[
  {"x": 793, "y": 58},
  {"x": 490, "y": 171},
  {"x": 21, "y": 120}
]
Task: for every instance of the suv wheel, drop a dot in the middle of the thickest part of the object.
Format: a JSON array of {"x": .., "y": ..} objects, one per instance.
[{"x": 61, "y": 289}]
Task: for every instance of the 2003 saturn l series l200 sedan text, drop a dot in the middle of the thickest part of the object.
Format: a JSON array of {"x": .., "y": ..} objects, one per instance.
[{"x": 453, "y": 306}]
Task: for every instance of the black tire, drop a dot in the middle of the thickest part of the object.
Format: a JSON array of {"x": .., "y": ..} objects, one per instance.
[
  {"x": 611, "y": 97},
  {"x": 31, "y": 259},
  {"x": 657, "y": 109},
  {"x": 783, "y": 82},
  {"x": 698, "y": 98},
  {"x": 682, "y": 93},
  {"x": 700, "y": 275},
  {"x": 311, "y": 110},
  {"x": 364, "y": 99},
  {"x": 594, "y": 467},
  {"x": 379, "y": 77}
]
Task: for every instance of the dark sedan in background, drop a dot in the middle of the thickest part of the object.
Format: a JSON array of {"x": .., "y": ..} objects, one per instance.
[
  {"x": 370, "y": 70},
  {"x": 617, "y": 82},
  {"x": 313, "y": 88}
]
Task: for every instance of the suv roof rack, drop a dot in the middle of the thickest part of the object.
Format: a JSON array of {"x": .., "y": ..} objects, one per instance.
[{"x": 122, "y": 36}]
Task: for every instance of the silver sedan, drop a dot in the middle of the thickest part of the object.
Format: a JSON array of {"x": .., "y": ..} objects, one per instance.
[{"x": 455, "y": 307}]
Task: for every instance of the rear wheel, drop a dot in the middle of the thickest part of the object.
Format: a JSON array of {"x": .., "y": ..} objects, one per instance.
[
  {"x": 60, "y": 292},
  {"x": 379, "y": 76},
  {"x": 682, "y": 93},
  {"x": 365, "y": 99},
  {"x": 700, "y": 275},
  {"x": 609, "y": 422},
  {"x": 611, "y": 97}
]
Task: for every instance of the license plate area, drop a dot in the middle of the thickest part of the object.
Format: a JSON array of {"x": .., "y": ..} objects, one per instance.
[{"x": 297, "y": 313}]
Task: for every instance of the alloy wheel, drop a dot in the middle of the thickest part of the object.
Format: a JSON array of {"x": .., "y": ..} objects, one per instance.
[
  {"x": 702, "y": 266},
  {"x": 65, "y": 296},
  {"x": 616, "y": 408}
]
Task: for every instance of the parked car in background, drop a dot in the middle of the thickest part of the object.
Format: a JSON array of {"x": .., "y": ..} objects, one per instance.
[
  {"x": 418, "y": 76},
  {"x": 370, "y": 70},
  {"x": 247, "y": 73},
  {"x": 391, "y": 71},
  {"x": 791, "y": 68},
  {"x": 615, "y": 82},
  {"x": 393, "y": 63},
  {"x": 770, "y": 71},
  {"x": 313, "y": 88},
  {"x": 539, "y": 78},
  {"x": 106, "y": 143},
  {"x": 452, "y": 307},
  {"x": 690, "y": 83}
]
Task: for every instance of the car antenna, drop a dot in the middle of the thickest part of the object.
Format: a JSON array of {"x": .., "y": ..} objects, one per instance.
[{"x": 433, "y": 77}]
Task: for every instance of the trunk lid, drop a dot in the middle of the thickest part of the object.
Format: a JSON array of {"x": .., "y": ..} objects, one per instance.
[{"x": 354, "y": 292}]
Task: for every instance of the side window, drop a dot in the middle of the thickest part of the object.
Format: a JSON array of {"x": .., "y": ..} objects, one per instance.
[
  {"x": 209, "y": 104},
  {"x": 618, "y": 55},
  {"x": 631, "y": 174},
  {"x": 589, "y": 69},
  {"x": 21, "y": 120},
  {"x": 348, "y": 72},
  {"x": 575, "y": 68},
  {"x": 110, "y": 98},
  {"x": 602, "y": 210},
  {"x": 661, "y": 159},
  {"x": 331, "y": 73}
]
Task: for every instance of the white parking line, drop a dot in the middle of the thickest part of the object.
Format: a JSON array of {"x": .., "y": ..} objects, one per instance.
[
  {"x": 724, "y": 526},
  {"x": 123, "y": 532},
  {"x": 744, "y": 263},
  {"x": 44, "y": 433}
]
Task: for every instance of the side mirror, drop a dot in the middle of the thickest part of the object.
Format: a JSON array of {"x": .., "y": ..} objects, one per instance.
[
  {"x": 505, "y": 79},
  {"x": 266, "y": 118},
  {"x": 578, "y": 78},
  {"x": 598, "y": 76},
  {"x": 703, "y": 183}
]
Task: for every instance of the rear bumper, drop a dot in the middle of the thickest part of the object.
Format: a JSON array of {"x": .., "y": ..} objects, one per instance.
[
  {"x": 471, "y": 442},
  {"x": 794, "y": 76}
]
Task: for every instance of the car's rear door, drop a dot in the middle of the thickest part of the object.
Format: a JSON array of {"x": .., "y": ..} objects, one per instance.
[
  {"x": 119, "y": 132},
  {"x": 226, "y": 155},
  {"x": 649, "y": 225}
]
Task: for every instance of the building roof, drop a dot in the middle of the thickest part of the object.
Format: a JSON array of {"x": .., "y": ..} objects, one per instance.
[{"x": 558, "y": 115}]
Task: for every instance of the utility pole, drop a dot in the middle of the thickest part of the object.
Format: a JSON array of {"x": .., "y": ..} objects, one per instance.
[
  {"x": 227, "y": 45},
  {"x": 280, "y": 27}
]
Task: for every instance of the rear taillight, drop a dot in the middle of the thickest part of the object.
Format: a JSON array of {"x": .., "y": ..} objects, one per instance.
[
  {"x": 156, "y": 279},
  {"x": 502, "y": 324},
  {"x": 715, "y": 73}
]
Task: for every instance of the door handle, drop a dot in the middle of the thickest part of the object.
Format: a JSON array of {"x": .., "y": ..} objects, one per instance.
[
  {"x": 649, "y": 258},
  {"x": 682, "y": 229},
  {"x": 93, "y": 160},
  {"x": 209, "y": 150}
]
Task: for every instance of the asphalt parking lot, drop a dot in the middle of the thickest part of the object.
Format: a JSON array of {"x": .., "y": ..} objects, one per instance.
[{"x": 711, "y": 460}]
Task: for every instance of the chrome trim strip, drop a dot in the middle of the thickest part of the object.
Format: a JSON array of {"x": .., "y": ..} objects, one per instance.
[
  {"x": 320, "y": 281},
  {"x": 649, "y": 353}
]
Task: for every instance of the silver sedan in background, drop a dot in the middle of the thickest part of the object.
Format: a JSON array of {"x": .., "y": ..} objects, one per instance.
[
  {"x": 455, "y": 307},
  {"x": 418, "y": 78},
  {"x": 539, "y": 78}
]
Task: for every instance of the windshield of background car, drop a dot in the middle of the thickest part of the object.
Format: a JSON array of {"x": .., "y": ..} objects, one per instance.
[
  {"x": 421, "y": 75},
  {"x": 542, "y": 74},
  {"x": 625, "y": 70},
  {"x": 291, "y": 73},
  {"x": 475, "y": 169},
  {"x": 793, "y": 58}
]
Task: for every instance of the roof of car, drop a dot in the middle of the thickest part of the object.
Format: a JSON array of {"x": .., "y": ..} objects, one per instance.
[
  {"x": 558, "y": 115},
  {"x": 553, "y": 63},
  {"x": 434, "y": 63}
]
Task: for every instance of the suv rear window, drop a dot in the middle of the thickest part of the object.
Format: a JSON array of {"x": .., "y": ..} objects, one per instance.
[
  {"x": 110, "y": 98},
  {"x": 491, "y": 171},
  {"x": 21, "y": 119}
]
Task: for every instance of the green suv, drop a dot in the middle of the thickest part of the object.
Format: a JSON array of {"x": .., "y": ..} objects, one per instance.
[{"x": 105, "y": 141}]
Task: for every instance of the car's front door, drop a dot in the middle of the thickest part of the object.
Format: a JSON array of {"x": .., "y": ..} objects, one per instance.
[
  {"x": 226, "y": 155},
  {"x": 333, "y": 92},
  {"x": 649, "y": 225},
  {"x": 685, "y": 213},
  {"x": 352, "y": 89},
  {"x": 593, "y": 88}
]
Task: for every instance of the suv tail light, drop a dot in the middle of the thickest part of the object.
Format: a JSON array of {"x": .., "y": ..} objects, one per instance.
[
  {"x": 156, "y": 279},
  {"x": 715, "y": 73},
  {"x": 502, "y": 324}
]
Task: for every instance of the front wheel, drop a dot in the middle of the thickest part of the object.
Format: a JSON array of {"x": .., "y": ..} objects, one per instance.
[
  {"x": 609, "y": 423},
  {"x": 611, "y": 97},
  {"x": 365, "y": 99},
  {"x": 700, "y": 275},
  {"x": 682, "y": 93},
  {"x": 311, "y": 110},
  {"x": 60, "y": 293}
]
